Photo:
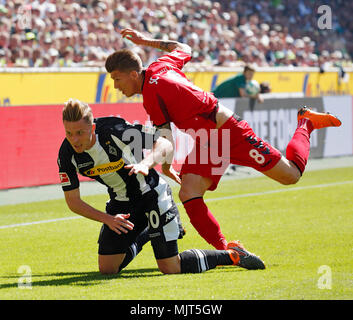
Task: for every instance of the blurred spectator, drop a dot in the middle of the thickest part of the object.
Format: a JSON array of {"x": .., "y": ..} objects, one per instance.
[
  {"x": 3, "y": 60},
  {"x": 222, "y": 33},
  {"x": 265, "y": 87},
  {"x": 236, "y": 86}
]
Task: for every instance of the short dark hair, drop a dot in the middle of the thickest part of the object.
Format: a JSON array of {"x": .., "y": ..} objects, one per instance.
[
  {"x": 123, "y": 60},
  {"x": 249, "y": 67}
]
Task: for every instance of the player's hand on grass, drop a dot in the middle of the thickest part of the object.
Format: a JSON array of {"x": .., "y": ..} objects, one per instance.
[
  {"x": 137, "y": 168},
  {"x": 120, "y": 223}
]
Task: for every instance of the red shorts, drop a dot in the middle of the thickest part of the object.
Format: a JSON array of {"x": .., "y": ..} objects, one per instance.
[{"x": 234, "y": 143}]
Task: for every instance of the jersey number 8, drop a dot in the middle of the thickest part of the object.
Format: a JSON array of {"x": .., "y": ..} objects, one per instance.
[{"x": 259, "y": 158}]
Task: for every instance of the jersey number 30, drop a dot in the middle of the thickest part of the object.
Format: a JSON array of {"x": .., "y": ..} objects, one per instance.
[{"x": 153, "y": 219}]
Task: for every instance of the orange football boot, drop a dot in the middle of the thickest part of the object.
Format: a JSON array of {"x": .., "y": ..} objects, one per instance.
[
  {"x": 243, "y": 258},
  {"x": 319, "y": 119}
]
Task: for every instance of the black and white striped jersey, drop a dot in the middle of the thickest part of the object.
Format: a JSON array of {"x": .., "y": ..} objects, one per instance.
[{"x": 118, "y": 143}]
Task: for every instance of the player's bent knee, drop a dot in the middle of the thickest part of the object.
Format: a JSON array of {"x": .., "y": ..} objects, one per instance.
[
  {"x": 293, "y": 180},
  {"x": 110, "y": 264},
  {"x": 108, "y": 271},
  {"x": 169, "y": 265},
  {"x": 286, "y": 181},
  {"x": 284, "y": 172},
  {"x": 187, "y": 192},
  {"x": 184, "y": 195},
  {"x": 290, "y": 179},
  {"x": 168, "y": 270},
  {"x": 192, "y": 186}
]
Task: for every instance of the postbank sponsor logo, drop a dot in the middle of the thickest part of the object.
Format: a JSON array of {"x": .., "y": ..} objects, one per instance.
[{"x": 105, "y": 168}]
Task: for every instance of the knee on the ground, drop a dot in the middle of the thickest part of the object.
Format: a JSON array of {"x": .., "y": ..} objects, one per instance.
[
  {"x": 108, "y": 270},
  {"x": 168, "y": 269}
]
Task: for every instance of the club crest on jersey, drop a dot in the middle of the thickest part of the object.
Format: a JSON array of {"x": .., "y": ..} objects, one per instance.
[
  {"x": 154, "y": 80},
  {"x": 112, "y": 150},
  {"x": 105, "y": 168}
]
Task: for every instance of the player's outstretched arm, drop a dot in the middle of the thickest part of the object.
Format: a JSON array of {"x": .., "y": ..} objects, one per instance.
[
  {"x": 165, "y": 45},
  {"x": 162, "y": 153},
  {"x": 118, "y": 223}
]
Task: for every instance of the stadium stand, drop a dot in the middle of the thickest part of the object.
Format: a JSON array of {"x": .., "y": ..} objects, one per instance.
[{"x": 66, "y": 33}]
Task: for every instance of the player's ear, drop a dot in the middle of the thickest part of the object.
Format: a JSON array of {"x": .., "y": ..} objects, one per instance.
[
  {"x": 93, "y": 127},
  {"x": 134, "y": 74}
]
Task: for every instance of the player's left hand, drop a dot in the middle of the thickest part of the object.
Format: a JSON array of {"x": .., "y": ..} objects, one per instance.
[
  {"x": 133, "y": 35},
  {"x": 137, "y": 168},
  {"x": 169, "y": 171}
]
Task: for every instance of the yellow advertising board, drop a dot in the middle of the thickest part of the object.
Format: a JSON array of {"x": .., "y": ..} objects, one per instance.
[
  {"x": 311, "y": 84},
  {"x": 43, "y": 88},
  {"x": 46, "y": 88}
]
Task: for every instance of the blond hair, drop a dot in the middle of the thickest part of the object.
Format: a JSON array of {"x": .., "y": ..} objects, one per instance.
[{"x": 75, "y": 110}]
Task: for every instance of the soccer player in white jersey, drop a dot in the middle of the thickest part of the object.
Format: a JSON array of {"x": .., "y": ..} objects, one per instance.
[{"x": 141, "y": 207}]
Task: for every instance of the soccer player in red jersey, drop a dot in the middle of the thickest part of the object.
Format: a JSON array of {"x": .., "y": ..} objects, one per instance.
[{"x": 168, "y": 96}]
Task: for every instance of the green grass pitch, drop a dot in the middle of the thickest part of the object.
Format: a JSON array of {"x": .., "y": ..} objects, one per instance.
[{"x": 302, "y": 232}]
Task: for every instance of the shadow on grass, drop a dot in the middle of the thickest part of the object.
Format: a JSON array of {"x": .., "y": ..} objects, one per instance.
[
  {"x": 80, "y": 278},
  {"x": 94, "y": 277}
]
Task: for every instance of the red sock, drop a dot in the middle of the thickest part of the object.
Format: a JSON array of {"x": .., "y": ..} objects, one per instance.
[
  {"x": 298, "y": 148},
  {"x": 205, "y": 223}
]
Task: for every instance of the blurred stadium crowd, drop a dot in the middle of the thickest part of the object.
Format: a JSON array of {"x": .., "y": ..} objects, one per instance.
[{"x": 67, "y": 33}]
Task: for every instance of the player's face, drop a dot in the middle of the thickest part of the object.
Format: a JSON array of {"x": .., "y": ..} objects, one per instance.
[
  {"x": 80, "y": 134},
  {"x": 248, "y": 74},
  {"x": 126, "y": 82}
]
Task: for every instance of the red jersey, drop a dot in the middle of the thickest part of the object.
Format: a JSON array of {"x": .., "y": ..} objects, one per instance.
[{"x": 168, "y": 96}]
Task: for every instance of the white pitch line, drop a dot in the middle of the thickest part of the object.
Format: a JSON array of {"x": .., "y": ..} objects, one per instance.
[
  {"x": 38, "y": 222},
  {"x": 324, "y": 185},
  {"x": 245, "y": 195}
]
